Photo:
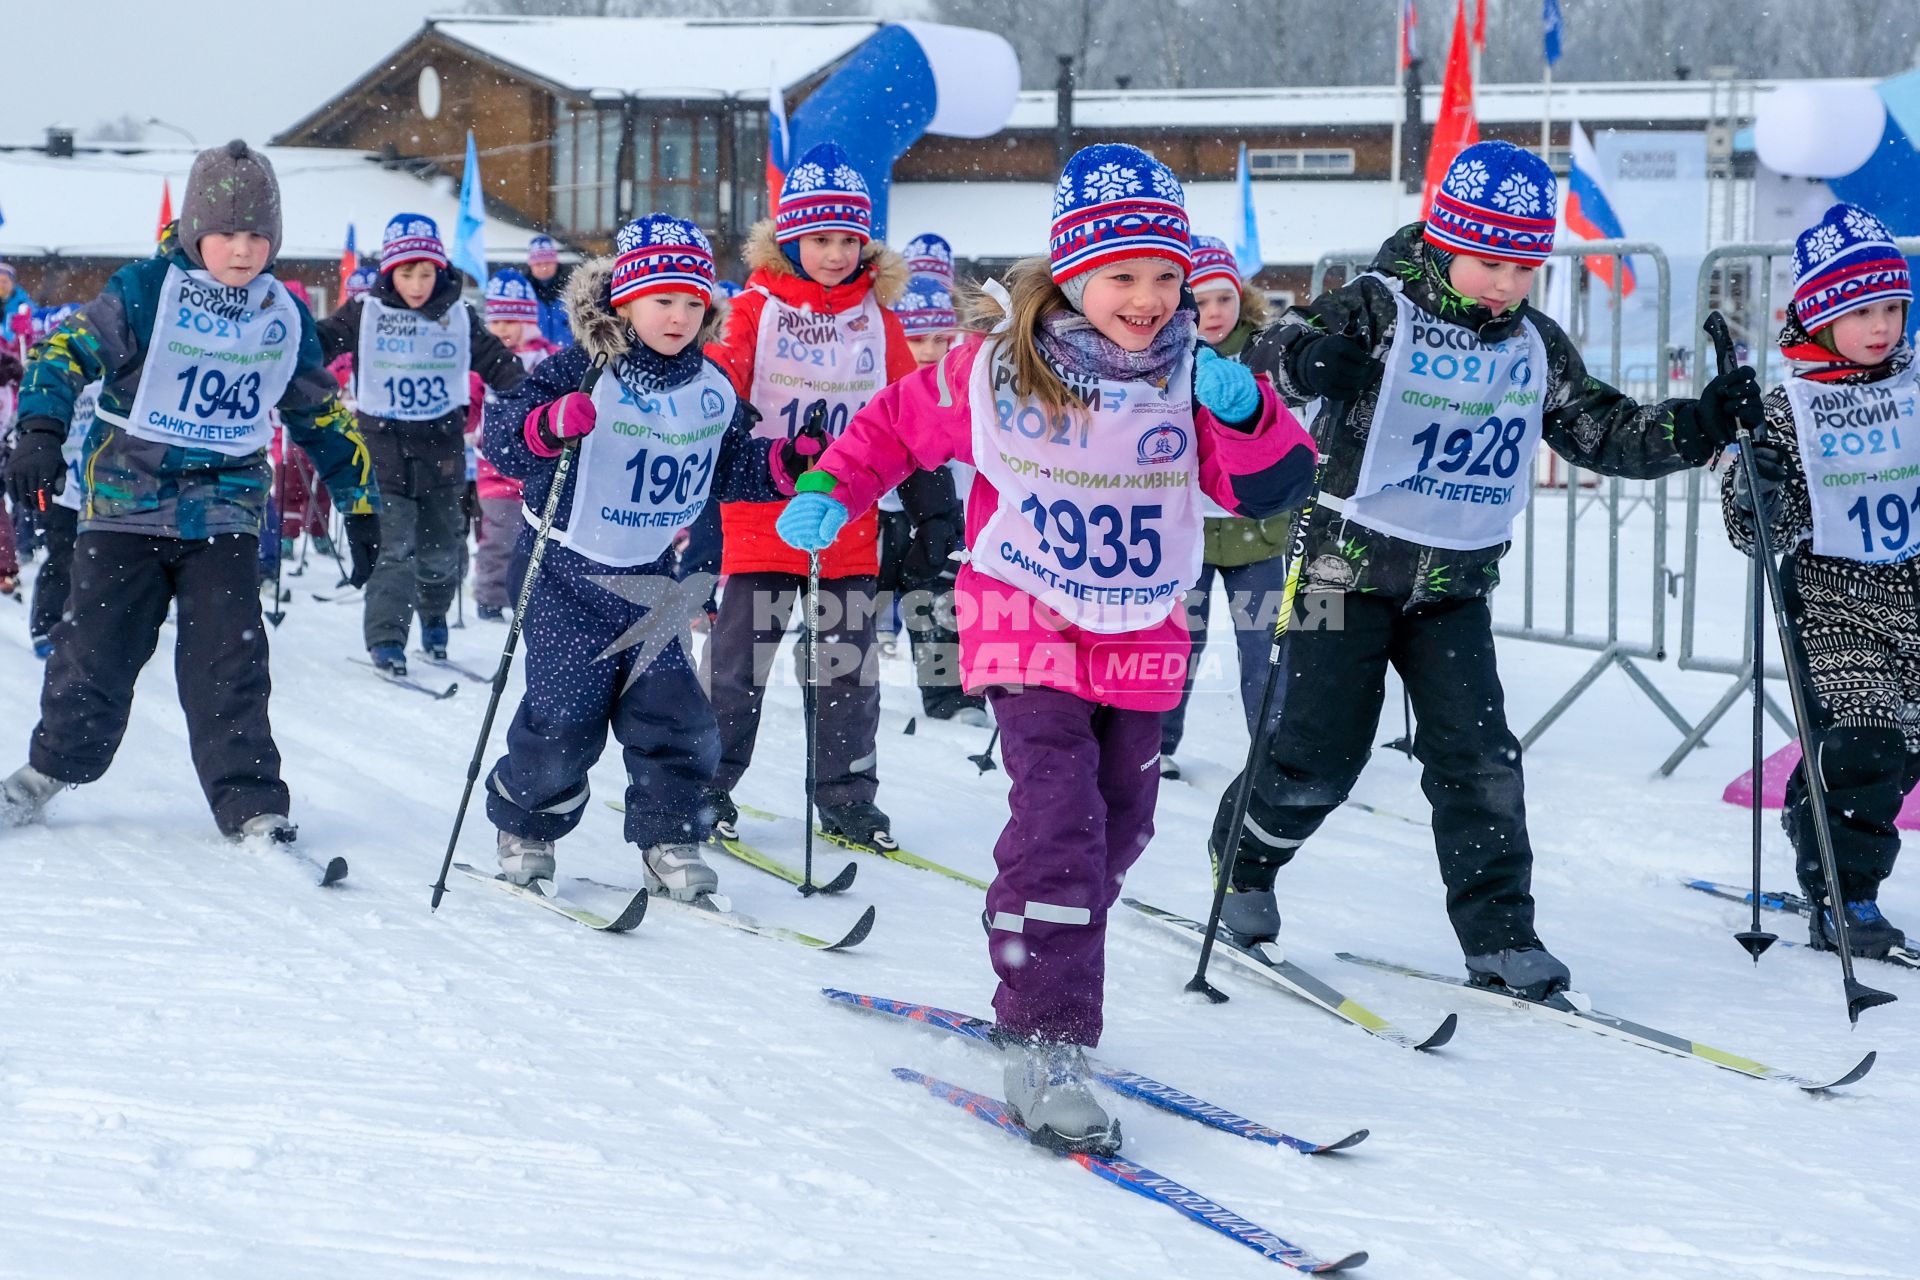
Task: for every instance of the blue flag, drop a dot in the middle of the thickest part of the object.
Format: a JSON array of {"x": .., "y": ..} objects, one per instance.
[
  {"x": 1550, "y": 30},
  {"x": 469, "y": 236},
  {"x": 1246, "y": 249}
]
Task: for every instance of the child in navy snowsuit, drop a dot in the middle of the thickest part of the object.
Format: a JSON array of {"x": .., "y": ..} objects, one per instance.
[{"x": 661, "y": 434}]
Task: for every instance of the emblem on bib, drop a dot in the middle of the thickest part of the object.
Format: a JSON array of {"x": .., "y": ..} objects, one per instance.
[{"x": 1162, "y": 444}]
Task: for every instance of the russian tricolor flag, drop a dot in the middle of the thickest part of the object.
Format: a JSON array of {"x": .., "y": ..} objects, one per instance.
[{"x": 1590, "y": 215}]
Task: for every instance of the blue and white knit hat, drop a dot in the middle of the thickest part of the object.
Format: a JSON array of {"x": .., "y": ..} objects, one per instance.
[
  {"x": 542, "y": 249},
  {"x": 930, "y": 255},
  {"x": 1114, "y": 202},
  {"x": 660, "y": 253},
  {"x": 1213, "y": 265},
  {"x": 1843, "y": 262},
  {"x": 510, "y": 296},
  {"x": 360, "y": 282},
  {"x": 824, "y": 192},
  {"x": 927, "y": 306},
  {"x": 727, "y": 289},
  {"x": 412, "y": 237},
  {"x": 1497, "y": 201}
]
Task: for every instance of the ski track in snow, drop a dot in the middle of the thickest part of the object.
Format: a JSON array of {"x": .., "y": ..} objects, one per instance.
[{"x": 210, "y": 1069}]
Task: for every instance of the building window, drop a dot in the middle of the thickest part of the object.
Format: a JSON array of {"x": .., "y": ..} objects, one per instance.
[
  {"x": 676, "y": 167},
  {"x": 586, "y": 170},
  {"x": 1300, "y": 162}
]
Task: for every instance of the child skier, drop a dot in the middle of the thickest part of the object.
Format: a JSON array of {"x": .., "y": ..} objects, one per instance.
[
  {"x": 1248, "y": 556},
  {"x": 1083, "y": 385},
  {"x": 513, "y": 316},
  {"x": 413, "y": 341},
  {"x": 811, "y": 326},
  {"x": 194, "y": 345},
  {"x": 662, "y": 432},
  {"x": 1849, "y": 532},
  {"x": 1441, "y": 382}
]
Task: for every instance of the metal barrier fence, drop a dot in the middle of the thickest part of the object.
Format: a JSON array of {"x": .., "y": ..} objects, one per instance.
[{"x": 1759, "y": 325}]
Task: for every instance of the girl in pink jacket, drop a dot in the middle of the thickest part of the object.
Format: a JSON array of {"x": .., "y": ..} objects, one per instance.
[{"x": 1096, "y": 427}]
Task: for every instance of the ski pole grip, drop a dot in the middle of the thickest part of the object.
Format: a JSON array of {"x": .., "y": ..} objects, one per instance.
[{"x": 1716, "y": 327}]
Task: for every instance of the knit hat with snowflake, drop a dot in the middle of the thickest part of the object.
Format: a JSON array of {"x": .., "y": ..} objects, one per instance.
[
  {"x": 1114, "y": 202},
  {"x": 542, "y": 249},
  {"x": 360, "y": 282},
  {"x": 930, "y": 255},
  {"x": 412, "y": 237},
  {"x": 510, "y": 296},
  {"x": 1846, "y": 261},
  {"x": 1214, "y": 266},
  {"x": 1497, "y": 201},
  {"x": 927, "y": 306},
  {"x": 661, "y": 254},
  {"x": 824, "y": 192}
]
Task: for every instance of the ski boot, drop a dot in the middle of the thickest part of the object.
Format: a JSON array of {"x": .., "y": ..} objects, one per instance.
[
  {"x": 726, "y": 814},
  {"x": 859, "y": 823},
  {"x": 523, "y": 859},
  {"x": 678, "y": 871},
  {"x": 1251, "y": 915},
  {"x": 389, "y": 659},
  {"x": 323, "y": 545},
  {"x": 43, "y": 647},
  {"x": 433, "y": 638},
  {"x": 1169, "y": 767},
  {"x": 275, "y": 828},
  {"x": 289, "y": 548},
  {"x": 1049, "y": 1090},
  {"x": 1870, "y": 935},
  {"x": 491, "y": 612},
  {"x": 1532, "y": 973},
  {"x": 24, "y": 795}
]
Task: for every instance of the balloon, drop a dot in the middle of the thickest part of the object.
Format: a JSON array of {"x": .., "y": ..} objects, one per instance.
[{"x": 1818, "y": 129}]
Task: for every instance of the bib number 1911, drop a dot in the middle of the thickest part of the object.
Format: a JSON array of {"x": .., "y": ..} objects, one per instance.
[{"x": 1892, "y": 518}]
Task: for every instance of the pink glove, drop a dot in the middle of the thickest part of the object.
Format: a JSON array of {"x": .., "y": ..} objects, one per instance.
[{"x": 551, "y": 426}]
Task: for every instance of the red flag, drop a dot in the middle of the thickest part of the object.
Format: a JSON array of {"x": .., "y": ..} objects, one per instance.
[
  {"x": 1480, "y": 25},
  {"x": 1457, "y": 128},
  {"x": 349, "y": 261},
  {"x": 1409, "y": 33},
  {"x": 166, "y": 209},
  {"x": 776, "y": 146}
]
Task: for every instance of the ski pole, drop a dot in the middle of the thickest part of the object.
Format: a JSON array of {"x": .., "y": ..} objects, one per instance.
[
  {"x": 568, "y": 452},
  {"x": 1243, "y": 794},
  {"x": 1859, "y": 996},
  {"x": 277, "y": 615},
  {"x": 985, "y": 759},
  {"x": 1753, "y": 937},
  {"x": 810, "y": 697}
]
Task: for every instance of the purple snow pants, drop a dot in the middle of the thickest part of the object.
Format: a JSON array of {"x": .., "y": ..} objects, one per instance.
[{"x": 1084, "y": 781}]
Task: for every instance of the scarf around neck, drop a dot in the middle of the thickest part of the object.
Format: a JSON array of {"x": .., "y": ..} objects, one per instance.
[{"x": 1072, "y": 344}]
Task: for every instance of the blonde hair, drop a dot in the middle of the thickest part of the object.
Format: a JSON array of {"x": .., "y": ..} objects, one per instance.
[{"x": 1033, "y": 296}]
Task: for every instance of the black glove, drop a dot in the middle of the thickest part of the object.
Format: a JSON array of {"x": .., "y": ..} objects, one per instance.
[
  {"x": 1726, "y": 404},
  {"x": 1333, "y": 366},
  {"x": 800, "y": 451},
  {"x": 470, "y": 504},
  {"x": 37, "y": 470},
  {"x": 363, "y": 547},
  {"x": 1771, "y": 466},
  {"x": 928, "y": 564}
]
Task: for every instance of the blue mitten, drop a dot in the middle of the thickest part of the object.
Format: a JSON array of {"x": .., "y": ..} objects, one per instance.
[
  {"x": 810, "y": 521},
  {"x": 1226, "y": 387}
]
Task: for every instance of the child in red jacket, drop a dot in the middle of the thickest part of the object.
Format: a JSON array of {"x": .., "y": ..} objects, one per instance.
[{"x": 812, "y": 325}]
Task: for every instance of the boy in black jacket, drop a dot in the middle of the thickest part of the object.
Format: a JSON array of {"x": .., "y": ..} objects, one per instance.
[
  {"x": 413, "y": 341},
  {"x": 1441, "y": 384}
]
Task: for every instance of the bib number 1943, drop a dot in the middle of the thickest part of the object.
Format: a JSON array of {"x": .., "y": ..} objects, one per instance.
[{"x": 210, "y": 392}]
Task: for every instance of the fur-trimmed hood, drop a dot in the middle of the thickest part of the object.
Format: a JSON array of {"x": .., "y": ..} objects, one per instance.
[
  {"x": 598, "y": 329},
  {"x": 884, "y": 267}
]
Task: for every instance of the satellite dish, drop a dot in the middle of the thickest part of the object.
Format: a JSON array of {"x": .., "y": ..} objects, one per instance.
[{"x": 429, "y": 92}]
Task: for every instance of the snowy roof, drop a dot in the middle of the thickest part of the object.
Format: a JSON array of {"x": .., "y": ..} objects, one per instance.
[
  {"x": 1299, "y": 221},
  {"x": 96, "y": 205},
  {"x": 662, "y": 57},
  {"x": 1653, "y": 101}
]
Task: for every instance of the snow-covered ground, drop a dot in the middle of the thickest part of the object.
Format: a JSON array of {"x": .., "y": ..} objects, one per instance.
[{"x": 211, "y": 1069}]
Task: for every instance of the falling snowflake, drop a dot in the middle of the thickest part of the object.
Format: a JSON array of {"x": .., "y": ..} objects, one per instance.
[
  {"x": 847, "y": 178},
  {"x": 1824, "y": 243},
  {"x": 1109, "y": 182},
  {"x": 807, "y": 177},
  {"x": 1467, "y": 180},
  {"x": 1518, "y": 196},
  {"x": 1864, "y": 226},
  {"x": 1166, "y": 186}
]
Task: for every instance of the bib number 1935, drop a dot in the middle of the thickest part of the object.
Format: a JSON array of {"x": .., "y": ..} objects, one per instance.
[{"x": 1094, "y": 538}]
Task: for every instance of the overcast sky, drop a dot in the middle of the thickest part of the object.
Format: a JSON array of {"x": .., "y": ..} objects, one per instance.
[{"x": 216, "y": 68}]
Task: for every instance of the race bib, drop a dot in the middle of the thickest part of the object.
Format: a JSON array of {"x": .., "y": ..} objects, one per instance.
[
  {"x": 220, "y": 357},
  {"x": 1099, "y": 513},
  {"x": 646, "y": 468},
  {"x": 1449, "y": 458},
  {"x": 1860, "y": 447},
  {"x": 410, "y": 368},
  {"x": 804, "y": 356}
]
